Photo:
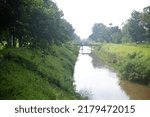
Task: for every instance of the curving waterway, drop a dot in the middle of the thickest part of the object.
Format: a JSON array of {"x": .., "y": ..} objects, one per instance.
[{"x": 100, "y": 82}]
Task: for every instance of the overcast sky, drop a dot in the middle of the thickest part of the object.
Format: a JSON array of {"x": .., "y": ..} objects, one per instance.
[{"x": 82, "y": 14}]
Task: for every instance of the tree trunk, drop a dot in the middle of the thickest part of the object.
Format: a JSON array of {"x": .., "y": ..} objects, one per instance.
[
  {"x": 13, "y": 37},
  {"x": 9, "y": 41},
  {"x": 20, "y": 41}
]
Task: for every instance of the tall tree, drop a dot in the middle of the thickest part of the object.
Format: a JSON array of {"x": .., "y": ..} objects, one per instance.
[
  {"x": 9, "y": 15},
  {"x": 146, "y": 22},
  {"x": 34, "y": 23},
  {"x": 136, "y": 30},
  {"x": 100, "y": 32},
  {"x": 126, "y": 37}
]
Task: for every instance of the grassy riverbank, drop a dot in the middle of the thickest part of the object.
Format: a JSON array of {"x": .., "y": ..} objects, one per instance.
[
  {"x": 37, "y": 74},
  {"x": 131, "y": 60}
]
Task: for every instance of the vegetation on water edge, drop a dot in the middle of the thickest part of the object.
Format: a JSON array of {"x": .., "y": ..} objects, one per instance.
[
  {"x": 131, "y": 60},
  {"x": 38, "y": 74}
]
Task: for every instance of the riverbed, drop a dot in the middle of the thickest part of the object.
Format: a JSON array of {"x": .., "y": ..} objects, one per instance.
[{"x": 100, "y": 82}]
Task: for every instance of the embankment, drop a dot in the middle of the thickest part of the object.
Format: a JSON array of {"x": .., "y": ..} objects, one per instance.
[
  {"x": 36, "y": 74},
  {"x": 131, "y": 60}
]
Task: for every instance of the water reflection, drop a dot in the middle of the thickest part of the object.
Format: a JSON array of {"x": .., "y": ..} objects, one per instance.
[
  {"x": 97, "y": 63},
  {"x": 102, "y": 82}
]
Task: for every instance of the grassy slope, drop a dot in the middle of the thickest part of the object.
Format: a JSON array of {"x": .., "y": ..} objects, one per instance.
[
  {"x": 34, "y": 74},
  {"x": 132, "y": 61}
]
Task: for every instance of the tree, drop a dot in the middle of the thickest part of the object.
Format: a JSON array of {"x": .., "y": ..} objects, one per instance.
[
  {"x": 103, "y": 33},
  {"x": 33, "y": 23},
  {"x": 115, "y": 34},
  {"x": 126, "y": 37},
  {"x": 116, "y": 37},
  {"x": 76, "y": 38},
  {"x": 136, "y": 30},
  {"x": 10, "y": 14},
  {"x": 100, "y": 32},
  {"x": 146, "y": 22}
]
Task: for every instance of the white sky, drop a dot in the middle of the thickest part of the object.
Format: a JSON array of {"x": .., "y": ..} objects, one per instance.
[{"x": 82, "y": 14}]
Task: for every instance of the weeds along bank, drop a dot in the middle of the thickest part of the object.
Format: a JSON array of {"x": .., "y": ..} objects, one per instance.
[
  {"x": 132, "y": 61},
  {"x": 37, "y": 74}
]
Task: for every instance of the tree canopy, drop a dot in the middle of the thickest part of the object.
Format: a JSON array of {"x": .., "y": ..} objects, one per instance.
[
  {"x": 103, "y": 33},
  {"x": 33, "y": 23},
  {"x": 135, "y": 29}
]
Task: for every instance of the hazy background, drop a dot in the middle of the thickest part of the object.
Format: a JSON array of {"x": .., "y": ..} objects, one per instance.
[{"x": 82, "y": 14}]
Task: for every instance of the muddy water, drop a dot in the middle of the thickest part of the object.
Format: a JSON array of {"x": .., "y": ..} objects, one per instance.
[{"x": 98, "y": 81}]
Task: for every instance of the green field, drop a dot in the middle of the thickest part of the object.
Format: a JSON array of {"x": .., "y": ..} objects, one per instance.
[
  {"x": 37, "y": 74},
  {"x": 131, "y": 60}
]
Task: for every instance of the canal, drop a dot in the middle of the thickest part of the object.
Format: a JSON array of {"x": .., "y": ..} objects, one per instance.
[{"x": 99, "y": 82}]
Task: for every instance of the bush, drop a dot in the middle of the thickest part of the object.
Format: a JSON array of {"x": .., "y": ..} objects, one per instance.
[{"x": 132, "y": 61}]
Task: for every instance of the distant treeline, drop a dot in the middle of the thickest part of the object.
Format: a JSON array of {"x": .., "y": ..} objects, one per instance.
[
  {"x": 32, "y": 23},
  {"x": 135, "y": 29}
]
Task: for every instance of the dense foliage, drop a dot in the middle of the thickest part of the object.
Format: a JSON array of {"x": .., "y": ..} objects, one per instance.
[
  {"x": 135, "y": 29},
  {"x": 102, "y": 33},
  {"x": 32, "y": 23},
  {"x": 34, "y": 61}
]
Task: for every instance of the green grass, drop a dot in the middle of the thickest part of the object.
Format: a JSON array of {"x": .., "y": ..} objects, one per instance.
[
  {"x": 131, "y": 60},
  {"x": 37, "y": 74}
]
